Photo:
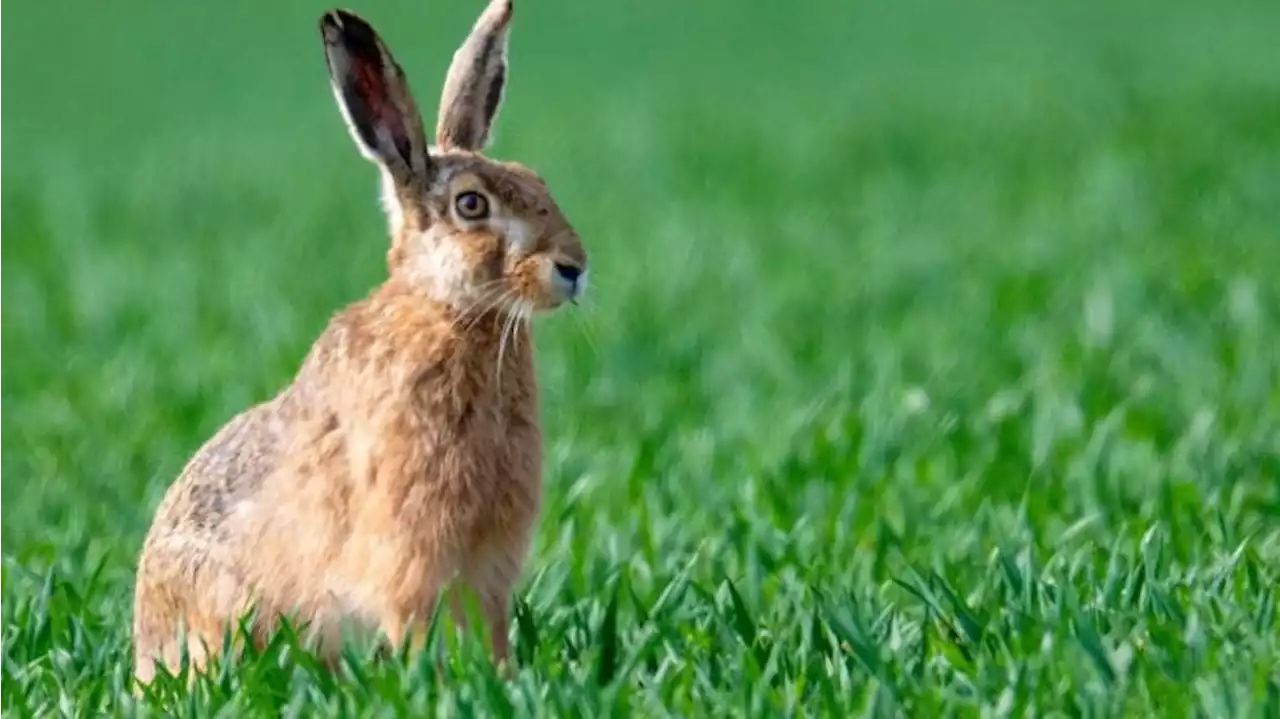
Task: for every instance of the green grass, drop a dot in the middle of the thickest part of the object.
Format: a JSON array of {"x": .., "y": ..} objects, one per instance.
[{"x": 930, "y": 367}]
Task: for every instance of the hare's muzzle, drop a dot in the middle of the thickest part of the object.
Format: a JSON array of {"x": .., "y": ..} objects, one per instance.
[{"x": 570, "y": 279}]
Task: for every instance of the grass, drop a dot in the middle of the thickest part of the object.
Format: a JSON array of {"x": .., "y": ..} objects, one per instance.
[{"x": 930, "y": 367}]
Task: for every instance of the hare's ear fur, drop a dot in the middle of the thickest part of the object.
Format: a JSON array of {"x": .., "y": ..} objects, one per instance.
[
  {"x": 374, "y": 97},
  {"x": 474, "y": 86}
]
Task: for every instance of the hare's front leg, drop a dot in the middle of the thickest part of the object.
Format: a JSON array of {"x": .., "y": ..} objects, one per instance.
[
  {"x": 494, "y": 598},
  {"x": 491, "y": 575},
  {"x": 404, "y": 598},
  {"x": 409, "y": 621},
  {"x": 495, "y": 604}
]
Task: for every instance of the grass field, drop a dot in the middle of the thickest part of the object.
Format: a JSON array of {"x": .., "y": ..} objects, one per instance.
[{"x": 930, "y": 366}]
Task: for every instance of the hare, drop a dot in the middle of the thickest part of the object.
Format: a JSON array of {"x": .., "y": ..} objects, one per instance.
[{"x": 406, "y": 452}]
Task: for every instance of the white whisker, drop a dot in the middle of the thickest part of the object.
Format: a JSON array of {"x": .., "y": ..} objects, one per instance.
[
  {"x": 518, "y": 311},
  {"x": 584, "y": 322},
  {"x": 496, "y": 301},
  {"x": 507, "y": 324},
  {"x": 482, "y": 304}
]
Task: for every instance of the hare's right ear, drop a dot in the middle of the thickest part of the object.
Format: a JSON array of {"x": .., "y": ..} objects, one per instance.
[
  {"x": 374, "y": 97},
  {"x": 474, "y": 86}
]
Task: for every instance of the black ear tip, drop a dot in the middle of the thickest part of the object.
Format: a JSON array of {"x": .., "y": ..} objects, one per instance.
[
  {"x": 499, "y": 12},
  {"x": 345, "y": 22},
  {"x": 343, "y": 27},
  {"x": 337, "y": 24},
  {"x": 331, "y": 25}
]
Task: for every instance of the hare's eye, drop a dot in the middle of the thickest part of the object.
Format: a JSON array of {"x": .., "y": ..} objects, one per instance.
[{"x": 471, "y": 205}]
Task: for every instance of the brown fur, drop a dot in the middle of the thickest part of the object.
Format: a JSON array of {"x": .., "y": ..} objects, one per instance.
[{"x": 407, "y": 451}]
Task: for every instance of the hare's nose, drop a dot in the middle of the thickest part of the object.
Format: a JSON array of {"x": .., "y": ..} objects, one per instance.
[
  {"x": 569, "y": 272},
  {"x": 573, "y": 279}
]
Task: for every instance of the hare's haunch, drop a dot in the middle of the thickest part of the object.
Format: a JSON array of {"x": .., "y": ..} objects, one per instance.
[{"x": 406, "y": 452}]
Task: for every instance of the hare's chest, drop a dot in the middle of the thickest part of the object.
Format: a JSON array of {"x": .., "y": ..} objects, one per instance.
[
  {"x": 483, "y": 445},
  {"x": 479, "y": 442},
  {"x": 495, "y": 445}
]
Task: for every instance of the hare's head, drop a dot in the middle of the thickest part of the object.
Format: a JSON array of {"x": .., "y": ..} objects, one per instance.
[{"x": 466, "y": 230}]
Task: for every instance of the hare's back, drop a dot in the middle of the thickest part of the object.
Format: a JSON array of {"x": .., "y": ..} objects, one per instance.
[{"x": 230, "y": 467}]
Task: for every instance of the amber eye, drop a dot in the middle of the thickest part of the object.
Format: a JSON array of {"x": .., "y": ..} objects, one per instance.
[{"x": 471, "y": 205}]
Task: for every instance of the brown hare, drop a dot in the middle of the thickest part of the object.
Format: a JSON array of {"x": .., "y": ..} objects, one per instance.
[{"x": 406, "y": 453}]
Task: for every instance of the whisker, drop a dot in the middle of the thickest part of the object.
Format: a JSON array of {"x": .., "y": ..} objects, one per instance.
[
  {"x": 486, "y": 302},
  {"x": 520, "y": 312},
  {"x": 463, "y": 313},
  {"x": 529, "y": 312},
  {"x": 483, "y": 303},
  {"x": 507, "y": 324},
  {"x": 498, "y": 299},
  {"x": 584, "y": 319}
]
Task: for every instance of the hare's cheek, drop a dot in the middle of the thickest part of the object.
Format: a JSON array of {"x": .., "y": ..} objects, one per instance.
[
  {"x": 518, "y": 237},
  {"x": 451, "y": 267},
  {"x": 480, "y": 253}
]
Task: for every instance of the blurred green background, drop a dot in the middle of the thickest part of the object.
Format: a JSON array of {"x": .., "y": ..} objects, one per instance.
[{"x": 930, "y": 359}]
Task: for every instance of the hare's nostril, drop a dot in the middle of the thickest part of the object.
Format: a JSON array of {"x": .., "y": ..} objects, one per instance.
[{"x": 569, "y": 272}]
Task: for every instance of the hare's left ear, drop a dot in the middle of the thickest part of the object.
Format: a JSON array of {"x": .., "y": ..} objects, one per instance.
[{"x": 477, "y": 77}]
